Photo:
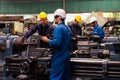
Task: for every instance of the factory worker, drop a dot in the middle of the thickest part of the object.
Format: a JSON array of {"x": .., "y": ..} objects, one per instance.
[
  {"x": 98, "y": 32},
  {"x": 44, "y": 28},
  {"x": 60, "y": 43},
  {"x": 76, "y": 31}
]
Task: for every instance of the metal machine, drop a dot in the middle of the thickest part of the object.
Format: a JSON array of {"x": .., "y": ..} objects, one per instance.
[
  {"x": 14, "y": 23},
  {"x": 34, "y": 63},
  {"x": 6, "y": 49},
  {"x": 36, "y": 67},
  {"x": 26, "y": 61},
  {"x": 98, "y": 69}
]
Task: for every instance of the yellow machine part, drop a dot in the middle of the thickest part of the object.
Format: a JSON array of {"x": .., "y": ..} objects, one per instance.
[{"x": 18, "y": 27}]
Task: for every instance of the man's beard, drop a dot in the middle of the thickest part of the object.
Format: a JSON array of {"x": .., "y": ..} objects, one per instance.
[{"x": 56, "y": 22}]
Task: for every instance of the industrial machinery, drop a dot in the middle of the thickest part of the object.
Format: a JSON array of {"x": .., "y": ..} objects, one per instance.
[
  {"x": 98, "y": 69},
  {"x": 26, "y": 61},
  {"x": 35, "y": 65},
  {"x": 6, "y": 49},
  {"x": 14, "y": 23}
]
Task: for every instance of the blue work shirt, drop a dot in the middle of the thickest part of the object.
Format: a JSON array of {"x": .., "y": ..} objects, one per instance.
[
  {"x": 46, "y": 30},
  {"x": 60, "y": 58},
  {"x": 98, "y": 31}
]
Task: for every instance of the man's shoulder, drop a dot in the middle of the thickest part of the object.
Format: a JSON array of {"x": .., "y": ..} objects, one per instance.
[
  {"x": 70, "y": 24},
  {"x": 38, "y": 25},
  {"x": 51, "y": 26},
  {"x": 98, "y": 26}
]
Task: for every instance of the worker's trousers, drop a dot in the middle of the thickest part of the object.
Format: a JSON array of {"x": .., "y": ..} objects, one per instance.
[{"x": 60, "y": 70}]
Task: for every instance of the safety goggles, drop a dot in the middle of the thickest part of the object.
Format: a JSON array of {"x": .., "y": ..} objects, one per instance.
[{"x": 56, "y": 16}]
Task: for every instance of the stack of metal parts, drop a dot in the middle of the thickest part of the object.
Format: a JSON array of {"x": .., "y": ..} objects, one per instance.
[
  {"x": 84, "y": 49},
  {"x": 81, "y": 53},
  {"x": 89, "y": 44},
  {"x": 107, "y": 42},
  {"x": 95, "y": 68},
  {"x": 113, "y": 45}
]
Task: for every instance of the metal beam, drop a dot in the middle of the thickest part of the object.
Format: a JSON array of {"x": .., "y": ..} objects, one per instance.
[{"x": 64, "y": 4}]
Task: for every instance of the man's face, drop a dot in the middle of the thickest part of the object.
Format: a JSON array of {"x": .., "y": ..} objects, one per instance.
[
  {"x": 56, "y": 18},
  {"x": 43, "y": 21},
  {"x": 93, "y": 24},
  {"x": 76, "y": 22}
]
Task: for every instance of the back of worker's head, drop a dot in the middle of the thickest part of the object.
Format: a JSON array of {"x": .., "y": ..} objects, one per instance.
[
  {"x": 78, "y": 18},
  {"x": 61, "y": 13}
]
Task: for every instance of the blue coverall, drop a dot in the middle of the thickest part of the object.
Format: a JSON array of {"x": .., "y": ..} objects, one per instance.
[
  {"x": 99, "y": 32},
  {"x": 46, "y": 30},
  {"x": 61, "y": 56}
]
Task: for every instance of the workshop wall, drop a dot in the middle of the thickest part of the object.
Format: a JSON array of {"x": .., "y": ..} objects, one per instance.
[
  {"x": 71, "y": 6},
  {"x": 92, "y": 5},
  {"x": 21, "y": 7}
]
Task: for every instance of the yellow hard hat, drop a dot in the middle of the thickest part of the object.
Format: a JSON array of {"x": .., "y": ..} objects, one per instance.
[
  {"x": 42, "y": 15},
  {"x": 78, "y": 18}
]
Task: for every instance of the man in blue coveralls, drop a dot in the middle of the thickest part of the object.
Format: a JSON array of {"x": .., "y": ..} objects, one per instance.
[
  {"x": 98, "y": 33},
  {"x": 60, "y": 43}
]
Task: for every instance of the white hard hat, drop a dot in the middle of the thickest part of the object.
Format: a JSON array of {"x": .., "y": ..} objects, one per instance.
[
  {"x": 93, "y": 19},
  {"x": 60, "y": 12}
]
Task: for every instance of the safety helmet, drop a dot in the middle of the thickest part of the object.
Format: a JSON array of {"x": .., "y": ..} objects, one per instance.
[
  {"x": 61, "y": 13},
  {"x": 93, "y": 19},
  {"x": 78, "y": 18},
  {"x": 42, "y": 15}
]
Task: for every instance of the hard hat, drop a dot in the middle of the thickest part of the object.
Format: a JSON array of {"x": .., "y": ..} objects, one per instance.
[
  {"x": 78, "y": 18},
  {"x": 60, "y": 12},
  {"x": 93, "y": 19},
  {"x": 42, "y": 15}
]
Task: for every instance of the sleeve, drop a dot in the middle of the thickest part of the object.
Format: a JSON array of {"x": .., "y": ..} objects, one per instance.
[
  {"x": 72, "y": 32},
  {"x": 57, "y": 38},
  {"x": 50, "y": 32},
  {"x": 100, "y": 31},
  {"x": 31, "y": 31},
  {"x": 80, "y": 30}
]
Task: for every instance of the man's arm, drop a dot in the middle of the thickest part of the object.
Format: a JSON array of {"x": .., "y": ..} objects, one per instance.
[
  {"x": 31, "y": 31},
  {"x": 57, "y": 38}
]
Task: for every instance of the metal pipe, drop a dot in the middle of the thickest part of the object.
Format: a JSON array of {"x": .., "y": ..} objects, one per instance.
[
  {"x": 95, "y": 67},
  {"x": 64, "y": 5}
]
